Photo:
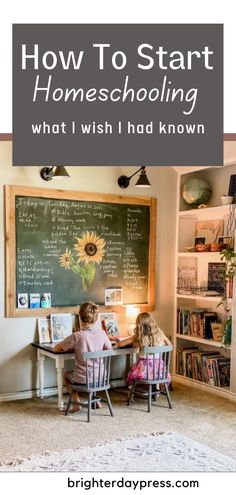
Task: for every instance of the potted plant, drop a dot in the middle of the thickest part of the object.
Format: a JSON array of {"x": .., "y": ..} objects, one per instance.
[{"x": 228, "y": 256}]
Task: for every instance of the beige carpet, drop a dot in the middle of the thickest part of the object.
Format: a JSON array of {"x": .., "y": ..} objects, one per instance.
[{"x": 36, "y": 426}]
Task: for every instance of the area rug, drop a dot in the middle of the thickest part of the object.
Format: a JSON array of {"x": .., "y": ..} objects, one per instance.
[{"x": 159, "y": 452}]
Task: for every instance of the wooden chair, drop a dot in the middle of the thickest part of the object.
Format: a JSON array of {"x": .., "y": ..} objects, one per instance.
[
  {"x": 97, "y": 380},
  {"x": 156, "y": 373}
]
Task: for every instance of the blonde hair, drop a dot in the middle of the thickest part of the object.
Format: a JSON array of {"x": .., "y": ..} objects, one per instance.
[
  {"x": 88, "y": 312},
  {"x": 146, "y": 332}
]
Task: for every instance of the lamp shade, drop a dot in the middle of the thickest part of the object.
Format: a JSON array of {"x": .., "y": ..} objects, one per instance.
[
  {"x": 143, "y": 180},
  {"x": 60, "y": 172}
]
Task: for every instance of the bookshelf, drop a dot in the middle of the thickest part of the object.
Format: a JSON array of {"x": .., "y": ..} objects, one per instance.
[{"x": 193, "y": 350}]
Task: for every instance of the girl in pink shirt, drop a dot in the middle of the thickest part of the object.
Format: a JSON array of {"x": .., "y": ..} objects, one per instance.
[{"x": 88, "y": 339}]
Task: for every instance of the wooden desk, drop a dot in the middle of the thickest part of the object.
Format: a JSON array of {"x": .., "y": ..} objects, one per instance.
[{"x": 45, "y": 350}]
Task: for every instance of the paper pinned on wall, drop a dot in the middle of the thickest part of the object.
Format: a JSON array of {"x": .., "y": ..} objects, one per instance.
[{"x": 113, "y": 296}]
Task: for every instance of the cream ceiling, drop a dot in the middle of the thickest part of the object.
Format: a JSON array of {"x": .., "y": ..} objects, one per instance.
[{"x": 229, "y": 158}]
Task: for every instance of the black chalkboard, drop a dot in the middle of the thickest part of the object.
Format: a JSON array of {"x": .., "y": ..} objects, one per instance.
[{"x": 75, "y": 249}]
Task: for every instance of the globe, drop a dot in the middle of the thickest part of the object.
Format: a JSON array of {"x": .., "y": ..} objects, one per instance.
[{"x": 196, "y": 191}]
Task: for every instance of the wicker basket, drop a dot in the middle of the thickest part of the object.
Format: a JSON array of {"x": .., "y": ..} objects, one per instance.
[{"x": 217, "y": 331}]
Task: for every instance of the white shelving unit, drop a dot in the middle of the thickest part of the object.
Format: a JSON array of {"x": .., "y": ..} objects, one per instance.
[
  {"x": 186, "y": 223},
  {"x": 209, "y": 342}
]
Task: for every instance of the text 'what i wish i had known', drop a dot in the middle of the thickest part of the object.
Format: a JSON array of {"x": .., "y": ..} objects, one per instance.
[{"x": 119, "y": 127}]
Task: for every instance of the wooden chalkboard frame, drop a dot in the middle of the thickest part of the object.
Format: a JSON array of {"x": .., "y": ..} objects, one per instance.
[{"x": 10, "y": 243}]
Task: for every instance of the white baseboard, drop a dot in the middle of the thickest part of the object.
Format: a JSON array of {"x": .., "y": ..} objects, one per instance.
[
  {"x": 30, "y": 394},
  {"x": 27, "y": 394}
]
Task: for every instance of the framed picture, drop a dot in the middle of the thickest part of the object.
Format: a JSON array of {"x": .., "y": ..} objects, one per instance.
[
  {"x": 199, "y": 240},
  {"x": 226, "y": 240},
  {"x": 61, "y": 326},
  {"x": 109, "y": 323},
  {"x": 44, "y": 330},
  {"x": 210, "y": 229},
  {"x": 113, "y": 296}
]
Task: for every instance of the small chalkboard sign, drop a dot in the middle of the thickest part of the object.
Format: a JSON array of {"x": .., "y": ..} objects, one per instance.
[{"x": 215, "y": 277}]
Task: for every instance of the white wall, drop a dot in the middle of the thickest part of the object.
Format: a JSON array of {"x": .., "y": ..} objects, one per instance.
[{"x": 17, "y": 357}]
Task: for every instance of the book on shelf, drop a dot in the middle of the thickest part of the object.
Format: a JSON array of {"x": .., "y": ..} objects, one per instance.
[
  {"x": 208, "y": 318},
  {"x": 210, "y": 373},
  {"x": 224, "y": 372},
  {"x": 204, "y": 366},
  {"x": 218, "y": 371},
  {"x": 205, "y": 355},
  {"x": 215, "y": 277},
  {"x": 197, "y": 366},
  {"x": 183, "y": 320},
  {"x": 230, "y": 288},
  {"x": 186, "y": 356},
  {"x": 195, "y": 322},
  {"x": 215, "y": 370}
]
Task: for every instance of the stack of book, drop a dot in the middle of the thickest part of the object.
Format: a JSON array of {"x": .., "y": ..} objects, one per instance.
[
  {"x": 195, "y": 322},
  {"x": 204, "y": 366}
]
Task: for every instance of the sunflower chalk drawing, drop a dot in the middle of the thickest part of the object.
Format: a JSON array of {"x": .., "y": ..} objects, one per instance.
[{"x": 88, "y": 252}]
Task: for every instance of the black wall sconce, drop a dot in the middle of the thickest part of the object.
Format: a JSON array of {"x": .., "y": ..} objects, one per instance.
[
  {"x": 142, "y": 181},
  {"x": 48, "y": 173}
]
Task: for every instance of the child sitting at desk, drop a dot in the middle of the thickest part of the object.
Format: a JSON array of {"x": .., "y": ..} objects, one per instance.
[
  {"x": 88, "y": 339},
  {"x": 146, "y": 334}
]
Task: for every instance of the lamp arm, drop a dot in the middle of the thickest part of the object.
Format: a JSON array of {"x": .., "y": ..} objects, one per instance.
[{"x": 141, "y": 168}]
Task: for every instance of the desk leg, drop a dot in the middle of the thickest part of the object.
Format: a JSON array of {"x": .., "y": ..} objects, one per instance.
[
  {"x": 40, "y": 374},
  {"x": 37, "y": 373},
  {"x": 60, "y": 369}
]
